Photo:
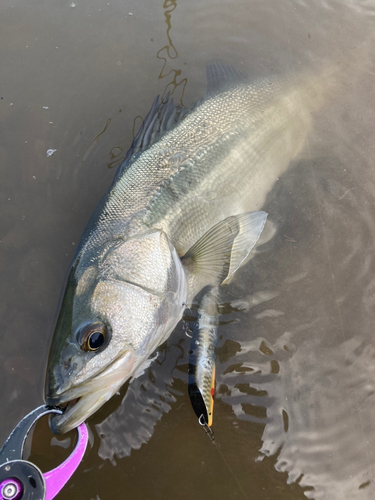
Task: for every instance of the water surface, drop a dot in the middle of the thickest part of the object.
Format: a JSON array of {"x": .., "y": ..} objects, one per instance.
[{"x": 295, "y": 406}]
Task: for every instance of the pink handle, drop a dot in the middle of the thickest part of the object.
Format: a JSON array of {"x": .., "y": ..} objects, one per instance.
[{"x": 56, "y": 479}]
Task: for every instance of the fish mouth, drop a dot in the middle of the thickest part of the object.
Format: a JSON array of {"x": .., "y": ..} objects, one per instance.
[{"x": 84, "y": 399}]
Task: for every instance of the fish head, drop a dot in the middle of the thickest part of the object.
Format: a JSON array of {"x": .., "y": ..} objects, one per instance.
[{"x": 118, "y": 307}]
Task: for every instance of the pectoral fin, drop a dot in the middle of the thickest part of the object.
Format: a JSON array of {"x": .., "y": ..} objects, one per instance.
[{"x": 217, "y": 255}]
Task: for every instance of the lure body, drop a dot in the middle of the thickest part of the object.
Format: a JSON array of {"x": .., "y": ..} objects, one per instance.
[{"x": 202, "y": 359}]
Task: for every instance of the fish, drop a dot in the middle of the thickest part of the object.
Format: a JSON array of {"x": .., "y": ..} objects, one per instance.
[
  {"x": 201, "y": 385},
  {"x": 183, "y": 212}
]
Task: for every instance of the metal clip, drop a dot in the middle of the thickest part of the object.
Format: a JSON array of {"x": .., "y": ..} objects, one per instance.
[{"x": 22, "y": 480}]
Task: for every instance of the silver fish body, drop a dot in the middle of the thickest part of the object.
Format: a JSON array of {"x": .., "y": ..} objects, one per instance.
[
  {"x": 221, "y": 160},
  {"x": 175, "y": 219}
]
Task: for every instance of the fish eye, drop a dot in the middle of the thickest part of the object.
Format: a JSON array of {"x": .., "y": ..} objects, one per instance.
[{"x": 92, "y": 337}]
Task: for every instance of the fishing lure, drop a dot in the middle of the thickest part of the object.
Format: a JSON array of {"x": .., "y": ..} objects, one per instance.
[{"x": 202, "y": 360}]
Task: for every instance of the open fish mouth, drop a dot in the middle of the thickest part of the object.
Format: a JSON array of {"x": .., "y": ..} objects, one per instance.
[
  {"x": 83, "y": 400},
  {"x": 78, "y": 410}
]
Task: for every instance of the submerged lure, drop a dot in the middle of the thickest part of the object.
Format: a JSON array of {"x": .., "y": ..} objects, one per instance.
[
  {"x": 202, "y": 359},
  {"x": 178, "y": 216}
]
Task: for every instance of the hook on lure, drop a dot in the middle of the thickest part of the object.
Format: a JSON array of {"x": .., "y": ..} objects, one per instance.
[{"x": 23, "y": 480}]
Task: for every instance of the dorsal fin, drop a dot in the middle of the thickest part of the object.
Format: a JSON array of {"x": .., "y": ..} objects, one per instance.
[
  {"x": 221, "y": 77},
  {"x": 163, "y": 116}
]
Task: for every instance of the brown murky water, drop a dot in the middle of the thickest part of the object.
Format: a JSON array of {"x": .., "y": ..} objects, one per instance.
[{"x": 295, "y": 406}]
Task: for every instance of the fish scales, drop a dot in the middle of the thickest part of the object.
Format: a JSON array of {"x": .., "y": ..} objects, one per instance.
[{"x": 240, "y": 140}]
